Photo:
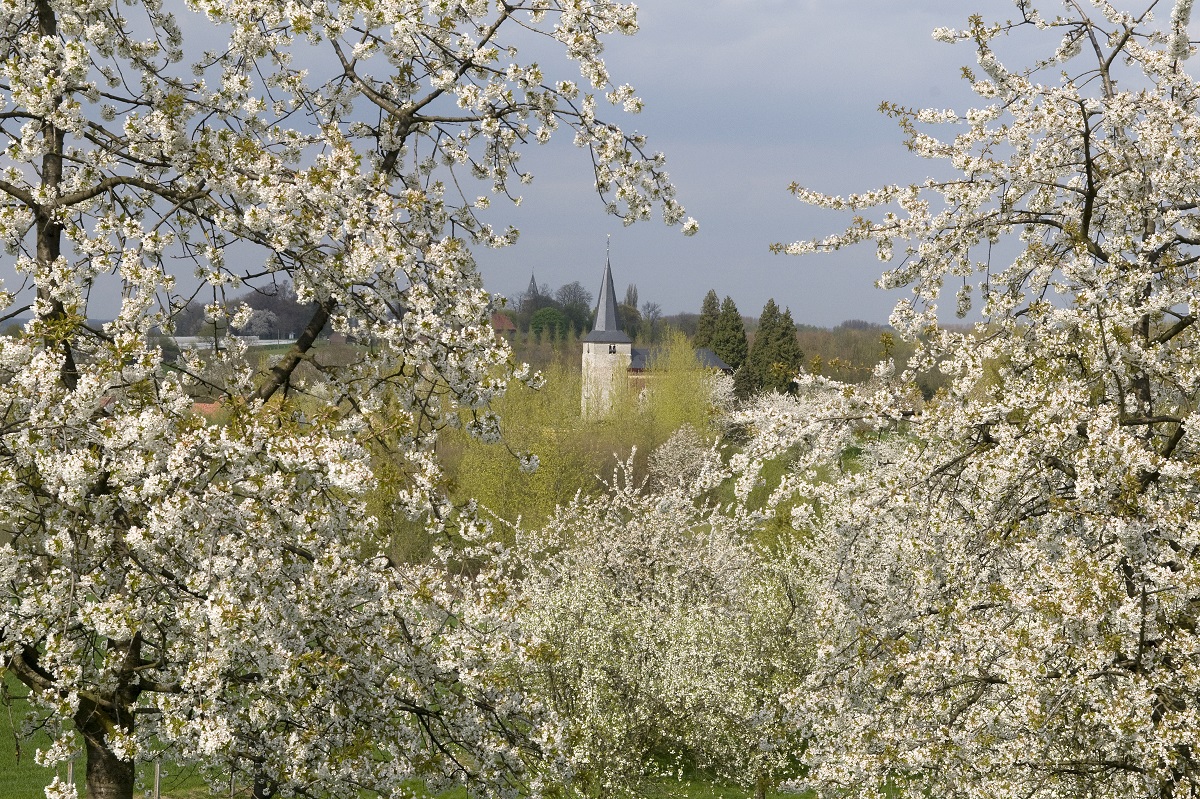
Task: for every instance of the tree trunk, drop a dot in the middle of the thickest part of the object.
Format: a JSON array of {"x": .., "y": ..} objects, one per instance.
[
  {"x": 264, "y": 787},
  {"x": 108, "y": 777},
  {"x": 49, "y": 230}
]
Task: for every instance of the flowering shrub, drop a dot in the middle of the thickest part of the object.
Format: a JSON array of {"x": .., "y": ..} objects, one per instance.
[{"x": 660, "y": 637}]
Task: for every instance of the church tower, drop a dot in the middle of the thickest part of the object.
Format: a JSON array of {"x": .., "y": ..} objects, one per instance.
[
  {"x": 607, "y": 352},
  {"x": 531, "y": 299}
]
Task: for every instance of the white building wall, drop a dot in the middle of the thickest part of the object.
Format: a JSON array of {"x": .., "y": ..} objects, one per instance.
[{"x": 603, "y": 366}]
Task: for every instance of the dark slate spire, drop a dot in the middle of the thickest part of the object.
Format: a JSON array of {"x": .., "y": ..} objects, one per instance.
[
  {"x": 532, "y": 291},
  {"x": 607, "y": 328}
]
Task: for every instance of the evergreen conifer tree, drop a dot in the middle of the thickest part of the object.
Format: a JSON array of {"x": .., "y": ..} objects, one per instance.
[
  {"x": 706, "y": 325},
  {"x": 749, "y": 378},
  {"x": 729, "y": 338},
  {"x": 775, "y": 357},
  {"x": 788, "y": 358},
  {"x": 745, "y": 383}
]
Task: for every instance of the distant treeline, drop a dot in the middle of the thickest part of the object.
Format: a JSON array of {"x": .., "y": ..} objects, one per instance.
[
  {"x": 765, "y": 351},
  {"x": 569, "y": 311},
  {"x": 276, "y": 312}
]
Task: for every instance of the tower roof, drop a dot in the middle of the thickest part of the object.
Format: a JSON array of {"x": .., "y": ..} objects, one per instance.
[{"x": 607, "y": 328}]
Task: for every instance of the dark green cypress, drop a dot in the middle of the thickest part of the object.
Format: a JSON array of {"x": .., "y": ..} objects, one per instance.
[
  {"x": 745, "y": 383},
  {"x": 789, "y": 358},
  {"x": 706, "y": 325},
  {"x": 775, "y": 358},
  {"x": 729, "y": 338}
]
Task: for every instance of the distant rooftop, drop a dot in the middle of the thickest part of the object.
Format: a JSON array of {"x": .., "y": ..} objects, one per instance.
[{"x": 642, "y": 358}]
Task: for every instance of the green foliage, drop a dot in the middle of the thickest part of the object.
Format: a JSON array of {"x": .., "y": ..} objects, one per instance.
[
  {"x": 850, "y": 351},
  {"x": 706, "y": 325},
  {"x": 408, "y": 540},
  {"x": 629, "y": 318},
  {"x": 775, "y": 357},
  {"x": 571, "y": 450},
  {"x": 576, "y": 305},
  {"x": 729, "y": 337},
  {"x": 547, "y": 423},
  {"x": 572, "y": 301},
  {"x": 540, "y": 351},
  {"x": 745, "y": 382},
  {"x": 651, "y": 329},
  {"x": 22, "y": 778},
  {"x": 549, "y": 322},
  {"x": 579, "y": 318},
  {"x": 679, "y": 392}
]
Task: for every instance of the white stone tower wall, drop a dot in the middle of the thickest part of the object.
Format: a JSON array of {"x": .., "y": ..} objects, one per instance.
[{"x": 603, "y": 365}]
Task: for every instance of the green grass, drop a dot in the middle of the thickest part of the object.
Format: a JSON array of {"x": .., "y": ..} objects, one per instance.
[
  {"x": 272, "y": 351},
  {"x": 702, "y": 789},
  {"x": 22, "y": 778},
  {"x": 694, "y": 788}
]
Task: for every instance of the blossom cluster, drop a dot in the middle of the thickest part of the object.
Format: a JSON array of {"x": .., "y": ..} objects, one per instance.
[
  {"x": 1006, "y": 572},
  {"x": 660, "y": 636},
  {"x": 216, "y": 586}
]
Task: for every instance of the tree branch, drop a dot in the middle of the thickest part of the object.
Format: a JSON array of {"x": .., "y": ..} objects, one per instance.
[{"x": 281, "y": 372}]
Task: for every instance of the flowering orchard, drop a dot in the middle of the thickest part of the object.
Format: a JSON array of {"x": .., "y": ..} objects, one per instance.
[
  {"x": 661, "y": 636},
  {"x": 215, "y": 592},
  {"x": 1009, "y": 576}
]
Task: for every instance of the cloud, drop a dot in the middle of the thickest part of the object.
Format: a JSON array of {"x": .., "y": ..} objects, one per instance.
[{"x": 746, "y": 96}]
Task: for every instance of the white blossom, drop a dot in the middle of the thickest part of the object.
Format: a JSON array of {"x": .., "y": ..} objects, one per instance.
[
  {"x": 662, "y": 637},
  {"x": 1005, "y": 572},
  {"x": 217, "y": 586}
]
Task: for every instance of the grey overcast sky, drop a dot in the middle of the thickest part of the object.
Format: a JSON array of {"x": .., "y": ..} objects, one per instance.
[{"x": 744, "y": 97}]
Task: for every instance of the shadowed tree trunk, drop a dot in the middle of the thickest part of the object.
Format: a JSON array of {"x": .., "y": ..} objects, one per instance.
[
  {"x": 108, "y": 776},
  {"x": 264, "y": 788}
]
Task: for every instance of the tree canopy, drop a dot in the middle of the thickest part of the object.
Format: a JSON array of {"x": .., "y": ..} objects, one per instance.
[
  {"x": 729, "y": 338},
  {"x": 706, "y": 325},
  {"x": 1009, "y": 580},
  {"x": 220, "y": 589},
  {"x": 549, "y": 322},
  {"x": 775, "y": 357},
  {"x": 576, "y": 304},
  {"x": 675, "y": 637}
]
